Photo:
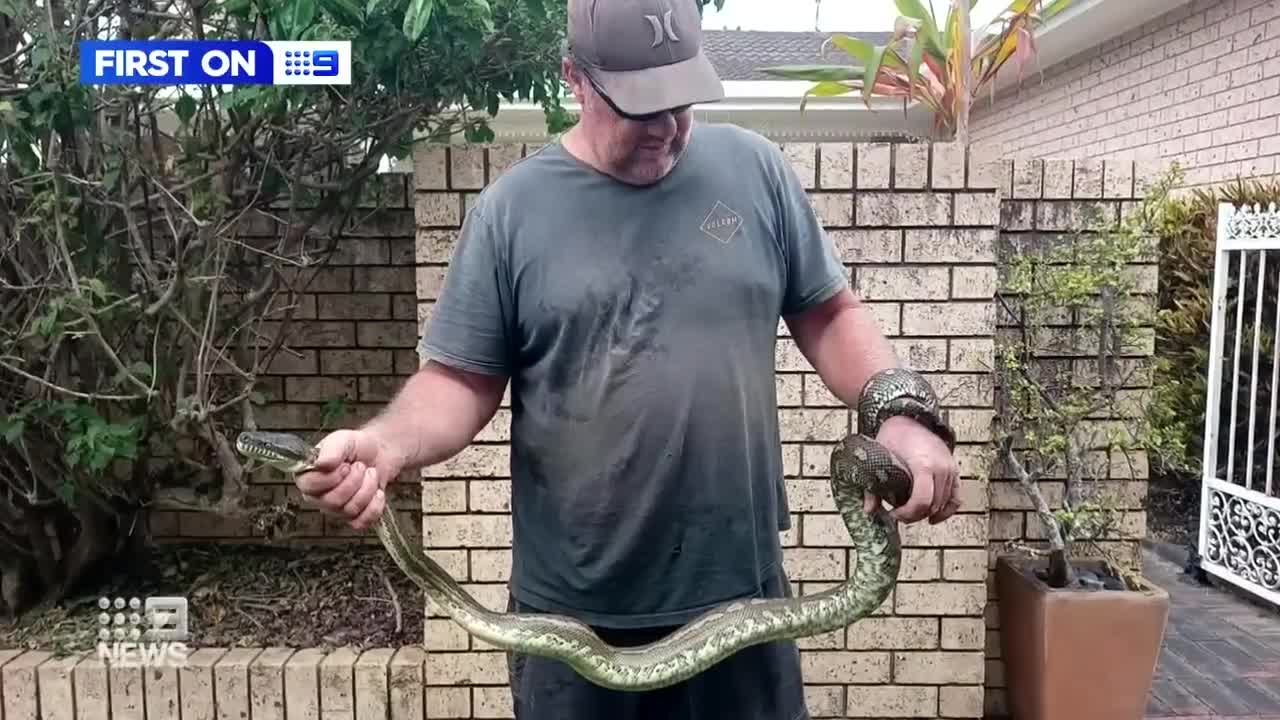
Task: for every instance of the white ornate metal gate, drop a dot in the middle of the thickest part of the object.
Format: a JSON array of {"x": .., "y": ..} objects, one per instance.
[{"x": 1240, "y": 495}]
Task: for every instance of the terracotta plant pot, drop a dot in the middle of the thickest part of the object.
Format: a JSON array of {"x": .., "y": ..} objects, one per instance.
[{"x": 1077, "y": 653}]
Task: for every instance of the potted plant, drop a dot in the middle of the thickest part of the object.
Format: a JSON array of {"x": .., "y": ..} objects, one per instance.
[
  {"x": 923, "y": 59},
  {"x": 1080, "y": 627}
]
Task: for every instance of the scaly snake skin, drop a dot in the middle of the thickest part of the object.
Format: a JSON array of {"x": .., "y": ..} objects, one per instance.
[{"x": 858, "y": 465}]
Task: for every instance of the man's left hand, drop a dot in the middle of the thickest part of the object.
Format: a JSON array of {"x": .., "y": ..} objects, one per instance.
[{"x": 935, "y": 471}]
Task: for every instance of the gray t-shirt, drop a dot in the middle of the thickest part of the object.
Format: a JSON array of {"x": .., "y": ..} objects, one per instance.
[{"x": 638, "y": 326}]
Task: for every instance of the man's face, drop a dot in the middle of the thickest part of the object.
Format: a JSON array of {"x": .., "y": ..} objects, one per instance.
[{"x": 638, "y": 150}]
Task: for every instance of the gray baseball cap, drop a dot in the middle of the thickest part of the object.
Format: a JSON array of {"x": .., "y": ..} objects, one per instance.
[{"x": 646, "y": 55}]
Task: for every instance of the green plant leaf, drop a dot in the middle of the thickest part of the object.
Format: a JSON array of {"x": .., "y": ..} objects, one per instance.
[
  {"x": 416, "y": 17},
  {"x": 855, "y": 48},
  {"x": 916, "y": 10},
  {"x": 301, "y": 14},
  {"x": 345, "y": 10}
]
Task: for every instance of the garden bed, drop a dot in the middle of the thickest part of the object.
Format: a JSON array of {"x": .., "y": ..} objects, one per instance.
[{"x": 251, "y": 596}]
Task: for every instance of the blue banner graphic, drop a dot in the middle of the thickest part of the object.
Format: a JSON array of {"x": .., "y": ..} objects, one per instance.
[{"x": 215, "y": 62}]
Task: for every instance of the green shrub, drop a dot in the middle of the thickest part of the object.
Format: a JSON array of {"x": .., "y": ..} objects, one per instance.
[{"x": 1187, "y": 239}]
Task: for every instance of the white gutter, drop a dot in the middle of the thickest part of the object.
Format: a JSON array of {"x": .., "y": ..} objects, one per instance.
[
  {"x": 770, "y": 107},
  {"x": 1082, "y": 26}
]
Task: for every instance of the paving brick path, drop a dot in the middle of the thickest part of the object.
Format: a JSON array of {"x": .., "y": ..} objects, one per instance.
[{"x": 1221, "y": 655}]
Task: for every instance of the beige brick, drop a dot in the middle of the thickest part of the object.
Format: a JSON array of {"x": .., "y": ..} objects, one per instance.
[
  {"x": 971, "y": 425},
  {"x": 490, "y": 565},
  {"x": 893, "y": 633},
  {"x": 337, "y": 692},
  {"x": 867, "y": 246},
  {"x": 824, "y": 530},
  {"x": 836, "y": 170},
  {"x": 888, "y": 316},
  {"x": 1088, "y": 178},
  {"x": 56, "y": 690},
  {"x": 441, "y": 634},
  {"x": 902, "y": 209},
  {"x": 806, "y": 564},
  {"x": 874, "y": 165},
  {"x": 911, "y": 166},
  {"x": 266, "y": 684},
  {"x": 971, "y": 355},
  {"x": 444, "y": 496},
  {"x": 788, "y": 358},
  {"x": 951, "y": 245},
  {"x": 962, "y": 389},
  {"x": 452, "y": 531},
  {"x": 491, "y": 702},
  {"x": 804, "y": 161},
  {"x": 824, "y": 700},
  {"x": 469, "y": 668},
  {"x": 960, "y": 701},
  {"x": 1117, "y": 180},
  {"x": 964, "y": 565},
  {"x": 815, "y": 461},
  {"x": 834, "y": 209},
  {"x": 839, "y": 666},
  {"x": 789, "y": 390},
  {"x": 1058, "y": 178},
  {"x": 196, "y": 680},
  {"x": 987, "y": 171},
  {"x": 942, "y": 667},
  {"x": 903, "y": 283},
  {"x": 950, "y": 318},
  {"x": 919, "y": 564},
  {"x": 405, "y": 684},
  {"x": 430, "y": 167},
  {"x": 1028, "y": 178},
  {"x": 448, "y": 702},
  {"x": 437, "y": 209},
  {"x": 466, "y": 167},
  {"x": 808, "y": 495},
  {"x": 977, "y": 209},
  {"x": 939, "y": 598},
  {"x": 971, "y": 283},
  {"x": 897, "y": 701},
  {"x": 948, "y": 165},
  {"x": 371, "y": 683},
  {"x": 475, "y": 461},
  {"x": 921, "y": 354},
  {"x": 489, "y": 496},
  {"x": 804, "y": 425},
  {"x": 92, "y": 693},
  {"x": 963, "y": 633}
]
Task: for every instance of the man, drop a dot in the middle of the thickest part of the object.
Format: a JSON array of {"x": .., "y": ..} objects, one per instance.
[{"x": 628, "y": 280}]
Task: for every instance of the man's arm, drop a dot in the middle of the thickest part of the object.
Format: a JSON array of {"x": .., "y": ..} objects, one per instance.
[
  {"x": 841, "y": 340},
  {"x": 437, "y": 413}
]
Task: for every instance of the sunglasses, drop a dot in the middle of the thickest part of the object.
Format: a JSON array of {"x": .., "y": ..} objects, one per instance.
[{"x": 642, "y": 117}]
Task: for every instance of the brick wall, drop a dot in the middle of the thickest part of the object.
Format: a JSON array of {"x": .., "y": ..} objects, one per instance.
[
  {"x": 1199, "y": 85},
  {"x": 921, "y": 230},
  {"x": 352, "y": 341},
  {"x": 1041, "y": 201}
]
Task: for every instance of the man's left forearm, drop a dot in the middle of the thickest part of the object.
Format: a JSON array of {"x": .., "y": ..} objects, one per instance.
[{"x": 843, "y": 342}]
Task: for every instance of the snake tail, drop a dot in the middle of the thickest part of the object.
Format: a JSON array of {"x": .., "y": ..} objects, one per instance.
[{"x": 858, "y": 465}]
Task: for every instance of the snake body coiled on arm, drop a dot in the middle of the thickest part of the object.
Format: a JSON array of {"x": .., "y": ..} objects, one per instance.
[{"x": 859, "y": 465}]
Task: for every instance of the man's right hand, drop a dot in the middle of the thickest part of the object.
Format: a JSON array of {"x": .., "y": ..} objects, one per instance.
[{"x": 351, "y": 472}]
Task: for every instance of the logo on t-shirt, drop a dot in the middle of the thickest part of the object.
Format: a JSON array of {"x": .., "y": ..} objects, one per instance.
[{"x": 722, "y": 223}]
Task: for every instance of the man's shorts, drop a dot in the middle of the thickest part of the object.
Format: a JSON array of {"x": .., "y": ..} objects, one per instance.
[{"x": 762, "y": 682}]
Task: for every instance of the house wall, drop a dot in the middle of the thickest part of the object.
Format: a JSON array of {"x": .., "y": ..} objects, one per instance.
[
  {"x": 1199, "y": 85},
  {"x": 923, "y": 231}
]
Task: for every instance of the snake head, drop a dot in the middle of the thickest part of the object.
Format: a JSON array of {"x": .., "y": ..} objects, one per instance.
[
  {"x": 860, "y": 465},
  {"x": 282, "y": 450}
]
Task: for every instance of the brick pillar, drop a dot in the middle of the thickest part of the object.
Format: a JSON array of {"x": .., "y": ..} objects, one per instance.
[
  {"x": 1042, "y": 201},
  {"x": 917, "y": 226}
]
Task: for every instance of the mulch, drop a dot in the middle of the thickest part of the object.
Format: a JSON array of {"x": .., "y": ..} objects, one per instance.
[{"x": 250, "y": 596}]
